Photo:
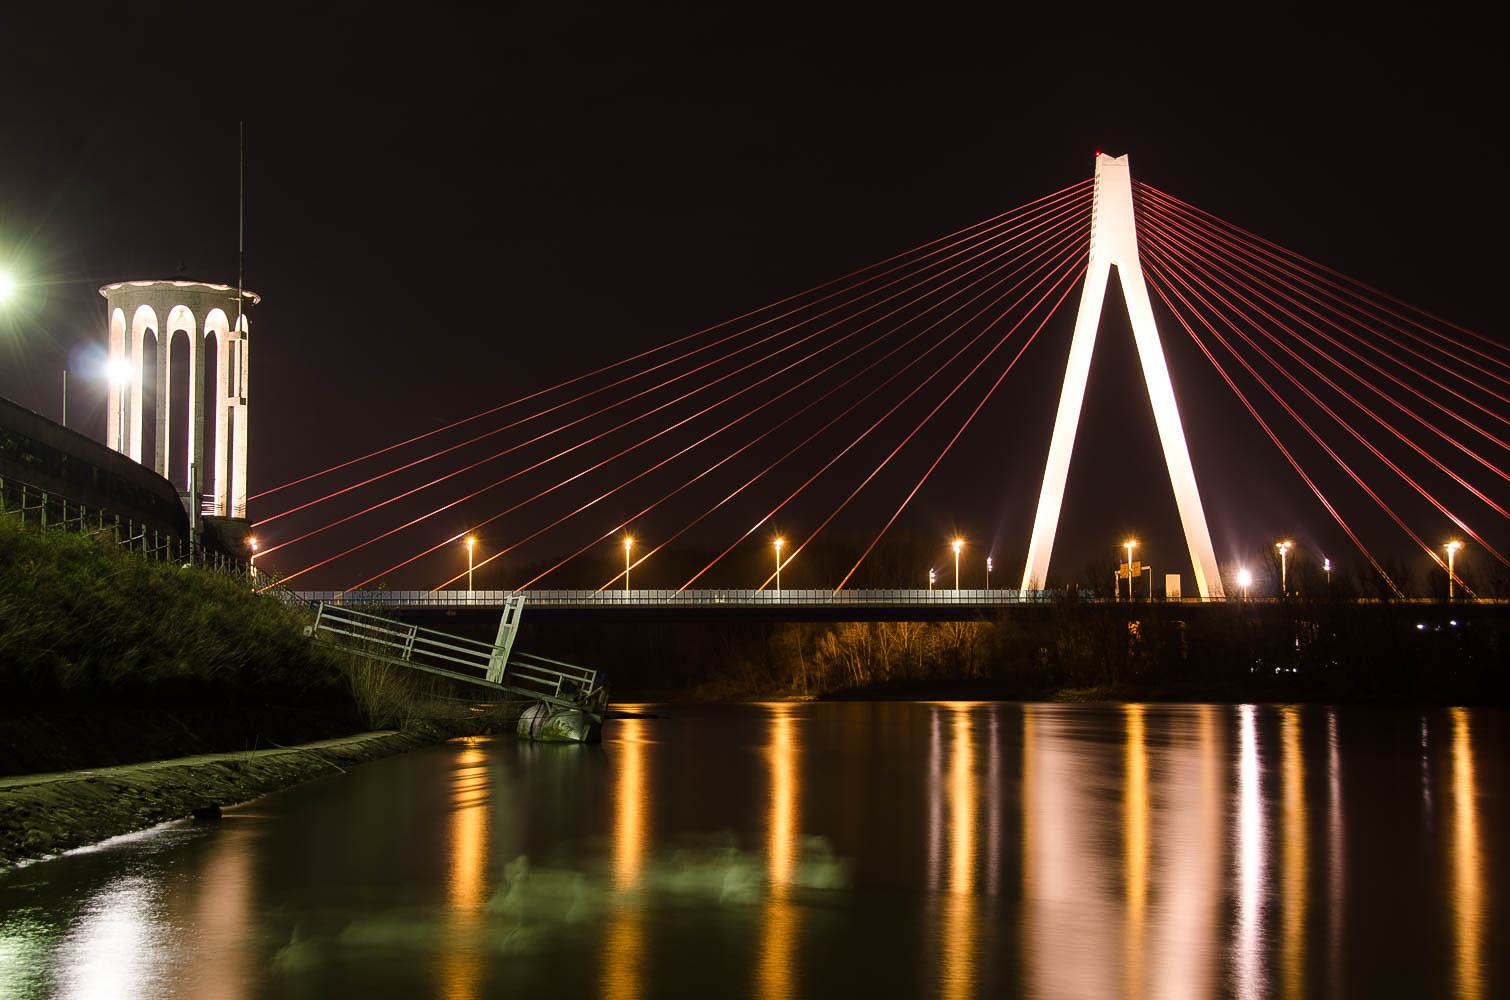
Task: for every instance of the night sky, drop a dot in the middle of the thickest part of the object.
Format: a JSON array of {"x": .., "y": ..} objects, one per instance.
[{"x": 451, "y": 209}]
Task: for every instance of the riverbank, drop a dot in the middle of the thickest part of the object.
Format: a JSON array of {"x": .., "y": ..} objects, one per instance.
[{"x": 45, "y": 814}]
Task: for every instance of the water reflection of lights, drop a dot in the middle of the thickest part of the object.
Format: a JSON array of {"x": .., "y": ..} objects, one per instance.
[
  {"x": 1248, "y": 956},
  {"x": 775, "y": 976},
  {"x": 1467, "y": 865},
  {"x": 466, "y": 885},
  {"x": 624, "y": 946},
  {"x": 1293, "y": 901},
  {"x": 119, "y": 947},
  {"x": 1335, "y": 856},
  {"x": 957, "y": 973},
  {"x": 1135, "y": 844}
]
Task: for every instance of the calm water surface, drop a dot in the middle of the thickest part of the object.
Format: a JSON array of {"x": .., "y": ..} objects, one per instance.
[{"x": 886, "y": 849}]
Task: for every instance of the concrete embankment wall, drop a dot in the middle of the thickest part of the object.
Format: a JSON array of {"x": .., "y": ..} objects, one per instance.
[
  {"x": 45, "y": 814},
  {"x": 53, "y": 458}
]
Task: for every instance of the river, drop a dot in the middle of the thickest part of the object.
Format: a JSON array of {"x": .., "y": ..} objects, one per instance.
[{"x": 796, "y": 849}]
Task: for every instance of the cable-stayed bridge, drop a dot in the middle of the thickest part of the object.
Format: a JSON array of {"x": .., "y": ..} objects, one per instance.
[{"x": 824, "y": 402}]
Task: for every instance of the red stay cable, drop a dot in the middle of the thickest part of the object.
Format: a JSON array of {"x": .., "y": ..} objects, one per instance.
[
  {"x": 561, "y": 385},
  {"x": 1336, "y": 516},
  {"x": 1047, "y": 217},
  {"x": 790, "y": 417},
  {"x": 1157, "y": 262}
]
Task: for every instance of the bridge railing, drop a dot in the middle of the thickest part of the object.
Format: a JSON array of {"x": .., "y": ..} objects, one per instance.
[
  {"x": 441, "y": 653},
  {"x": 680, "y": 598}
]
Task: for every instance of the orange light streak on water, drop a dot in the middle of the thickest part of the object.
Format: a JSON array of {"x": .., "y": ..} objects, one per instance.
[
  {"x": 461, "y": 959},
  {"x": 1467, "y": 865},
  {"x": 775, "y": 975},
  {"x": 624, "y": 944}
]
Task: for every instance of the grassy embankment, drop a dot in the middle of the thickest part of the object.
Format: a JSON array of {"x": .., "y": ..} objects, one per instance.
[{"x": 110, "y": 658}]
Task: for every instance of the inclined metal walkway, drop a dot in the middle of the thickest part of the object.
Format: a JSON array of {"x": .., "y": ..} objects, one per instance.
[{"x": 492, "y": 665}]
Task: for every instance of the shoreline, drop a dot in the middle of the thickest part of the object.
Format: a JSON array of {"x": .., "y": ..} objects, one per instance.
[{"x": 44, "y": 815}]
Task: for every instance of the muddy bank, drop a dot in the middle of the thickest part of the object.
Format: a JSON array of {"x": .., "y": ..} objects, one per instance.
[{"x": 44, "y": 814}]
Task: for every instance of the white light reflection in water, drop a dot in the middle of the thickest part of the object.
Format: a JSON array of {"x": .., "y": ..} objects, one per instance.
[
  {"x": 1293, "y": 900},
  {"x": 1072, "y": 902},
  {"x": 1186, "y": 851},
  {"x": 957, "y": 971},
  {"x": 624, "y": 946},
  {"x": 118, "y": 947},
  {"x": 1467, "y": 866},
  {"x": 775, "y": 976},
  {"x": 461, "y": 957},
  {"x": 221, "y": 962},
  {"x": 1247, "y": 946}
]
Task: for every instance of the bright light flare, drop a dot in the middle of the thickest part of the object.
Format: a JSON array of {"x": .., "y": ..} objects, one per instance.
[
  {"x": 7, "y": 286},
  {"x": 1244, "y": 579},
  {"x": 118, "y": 371},
  {"x": 957, "y": 544},
  {"x": 470, "y": 541}
]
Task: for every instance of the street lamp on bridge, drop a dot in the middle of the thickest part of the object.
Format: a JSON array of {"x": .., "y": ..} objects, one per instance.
[
  {"x": 1283, "y": 548},
  {"x": 957, "y": 544},
  {"x": 778, "y": 543},
  {"x": 930, "y": 578},
  {"x": 1129, "y": 545},
  {"x": 1452, "y": 551},
  {"x": 628, "y": 544},
  {"x": 1244, "y": 580},
  {"x": 988, "y": 572},
  {"x": 470, "y": 543}
]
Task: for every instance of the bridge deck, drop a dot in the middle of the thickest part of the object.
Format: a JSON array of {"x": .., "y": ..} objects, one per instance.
[{"x": 457, "y": 606}]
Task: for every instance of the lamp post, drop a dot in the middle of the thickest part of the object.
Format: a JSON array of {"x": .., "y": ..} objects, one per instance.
[
  {"x": 959, "y": 543},
  {"x": 988, "y": 572},
  {"x": 628, "y": 544},
  {"x": 118, "y": 372},
  {"x": 470, "y": 543},
  {"x": 1326, "y": 565},
  {"x": 1244, "y": 580},
  {"x": 1129, "y": 545},
  {"x": 1284, "y": 551},
  {"x": 779, "y": 543},
  {"x": 251, "y": 562},
  {"x": 1452, "y": 551},
  {"x": 930, "y": 578}
]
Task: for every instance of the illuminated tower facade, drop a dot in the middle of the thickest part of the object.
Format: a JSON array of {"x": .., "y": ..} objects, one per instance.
[
  {"x": 184, "y": 343},
  {"x": 1114, "y": 243}
]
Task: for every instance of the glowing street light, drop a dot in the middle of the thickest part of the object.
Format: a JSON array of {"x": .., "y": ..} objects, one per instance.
[
  {"x": 1452, "y": 551},
  {"x": 1129, "y": 545},
  {"x": 778, "y": 543},
  {"x": 470, "y": 543},
  {"x": 1326, "y": 564},
  {"x": 118, "y": 373},
  {"x": 628, "y": 544},
  {"x": 251, "y": 544},
  {"x": 988, "y": 572},
  {"x": 1244, "y": 580},
  {"x": 1283, "y": 548},
  {"x": 956, "y": 545},
  {"x": 930, "y": 578}
]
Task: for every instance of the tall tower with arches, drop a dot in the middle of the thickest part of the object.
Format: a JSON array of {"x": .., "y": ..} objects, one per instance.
[{"x": 178, "y": 393}]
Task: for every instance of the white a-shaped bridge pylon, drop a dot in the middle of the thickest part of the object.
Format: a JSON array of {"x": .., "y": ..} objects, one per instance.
[{"x": 1114, "y": 240}]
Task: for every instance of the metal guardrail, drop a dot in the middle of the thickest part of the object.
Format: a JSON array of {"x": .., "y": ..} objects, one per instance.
[
  {"x": 677, "y": 598},
  {"x": 457, "y": 657},
  {"x": 550, "y": 599},
  {"x": 52, "y": 511}
]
